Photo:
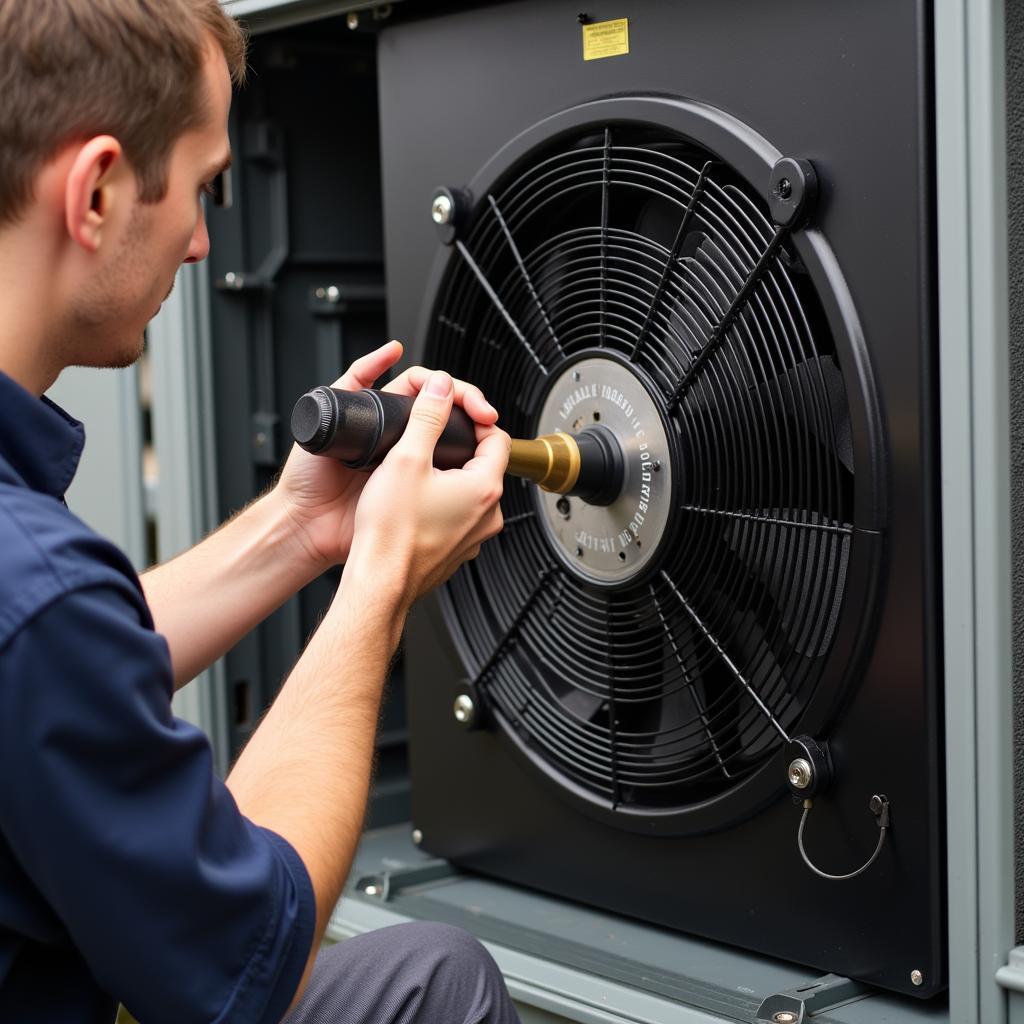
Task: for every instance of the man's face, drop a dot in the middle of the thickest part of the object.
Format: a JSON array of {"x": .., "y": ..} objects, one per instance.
[{"x": 151, "y": 241}]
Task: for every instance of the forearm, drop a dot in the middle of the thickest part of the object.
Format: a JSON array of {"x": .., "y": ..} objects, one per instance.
[
  {"x": 305, "y": 773},
  {"x": 205, "y": 600}
]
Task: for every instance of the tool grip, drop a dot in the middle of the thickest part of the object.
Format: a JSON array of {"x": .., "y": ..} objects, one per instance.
[{"x": 359, "y": 428}]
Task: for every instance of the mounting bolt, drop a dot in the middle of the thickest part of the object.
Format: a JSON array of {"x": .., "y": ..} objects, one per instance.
[
  {"x": 785, "y": 1017},
  {"x": 464, "y": 709},
  {"x": 417, "y": 836},
  {"x": 917, "y": 977},
  {"x": 800, "y": 773},
  {"x": 441, "y": 209},
  {"x": 352, "y": 21}
]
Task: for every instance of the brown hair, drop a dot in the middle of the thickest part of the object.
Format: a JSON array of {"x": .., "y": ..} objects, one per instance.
[{"x": 73, "y": 69}]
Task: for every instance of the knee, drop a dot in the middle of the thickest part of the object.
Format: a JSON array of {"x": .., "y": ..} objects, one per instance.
[{"x": 449, "y": 944}]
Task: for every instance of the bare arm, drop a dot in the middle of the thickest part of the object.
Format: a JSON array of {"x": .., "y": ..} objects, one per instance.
[
  {"x": 305, "y": 772},
  {"x": 205, "y": 600}
]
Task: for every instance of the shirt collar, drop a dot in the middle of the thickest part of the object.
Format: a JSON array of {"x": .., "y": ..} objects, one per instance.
[{"x": 39, "y": 442}]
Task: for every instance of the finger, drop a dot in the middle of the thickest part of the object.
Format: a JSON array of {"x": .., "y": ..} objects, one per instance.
[
  {"x": 468, "y": 396},
  {"x": 428, "y": 417},
  {"x": 491, "y": 454},
  {"x": 365, "y": 370}
]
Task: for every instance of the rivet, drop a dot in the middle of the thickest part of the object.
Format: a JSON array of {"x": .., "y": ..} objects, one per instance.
[
  {"x": 917, "y": 977},
  {"x": 463, "y": 709},
  {"x": 800, "y": 773},
  {"x": 441, "y": 209},
  {"x": 417, "y": 836}
]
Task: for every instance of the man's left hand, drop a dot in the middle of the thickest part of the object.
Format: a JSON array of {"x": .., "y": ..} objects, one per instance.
[{"x": 320, "y": 494}]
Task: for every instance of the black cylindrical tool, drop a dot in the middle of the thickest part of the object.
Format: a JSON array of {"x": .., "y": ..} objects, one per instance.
[{"x": 360, "y": 427}]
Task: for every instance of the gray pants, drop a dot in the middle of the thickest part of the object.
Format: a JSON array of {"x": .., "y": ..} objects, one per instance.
[{"x": 418, "y": 973}]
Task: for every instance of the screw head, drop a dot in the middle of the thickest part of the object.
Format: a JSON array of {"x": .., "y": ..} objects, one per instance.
[
  {"x": 800, "y": 773},
  {"x": 370, "y": 890},
  {"x": 563, "y": 507},
  {"x": 417, "y": 836},
  {"x": 575, "y": 374},
  {"x": 785, "y": 1017},
  {"x": 464, "y": 709},
  {"x": 579, "y": 552},
  {"x": 333, "y": 294},
  {"x": 352, "y": 21},
  {"x": 917, "y": 977},
  {"x": 441, "y": 209},
  {"x": 656, "y": 465},
  {"x": 321, "y": 293},
  {"x": 784, "y": 188}
]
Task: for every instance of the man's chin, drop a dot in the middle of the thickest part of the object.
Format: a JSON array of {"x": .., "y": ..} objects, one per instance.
[{"x": 118, "y": 360}]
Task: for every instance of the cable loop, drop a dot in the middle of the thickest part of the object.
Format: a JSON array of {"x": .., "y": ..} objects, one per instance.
[{"x": 879, "y": 807}]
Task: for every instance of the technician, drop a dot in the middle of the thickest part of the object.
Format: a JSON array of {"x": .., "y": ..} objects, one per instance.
[{"x": 128, "y": 870}]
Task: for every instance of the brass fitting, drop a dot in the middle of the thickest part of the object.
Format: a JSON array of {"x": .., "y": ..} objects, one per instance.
[{"x": 551, "y": 461}]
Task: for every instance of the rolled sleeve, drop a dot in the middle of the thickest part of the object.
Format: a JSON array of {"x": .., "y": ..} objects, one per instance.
[{"x": 182, "y": 908}]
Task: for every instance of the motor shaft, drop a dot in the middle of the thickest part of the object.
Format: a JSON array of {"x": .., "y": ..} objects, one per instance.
[{"x": 359, "y": 428}]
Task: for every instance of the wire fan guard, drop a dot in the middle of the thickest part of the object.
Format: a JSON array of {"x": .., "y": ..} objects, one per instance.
[{"x": 654, "y": 700}]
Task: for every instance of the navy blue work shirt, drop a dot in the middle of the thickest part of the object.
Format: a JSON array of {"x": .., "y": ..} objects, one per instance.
[{"x": 126, "y": 870}]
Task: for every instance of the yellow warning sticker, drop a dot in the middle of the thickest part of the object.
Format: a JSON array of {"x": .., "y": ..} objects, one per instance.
[{"x": 606, "y": 39}]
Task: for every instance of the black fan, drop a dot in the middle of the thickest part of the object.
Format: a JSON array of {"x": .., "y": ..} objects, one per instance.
[{"x": 650, "y": 689}]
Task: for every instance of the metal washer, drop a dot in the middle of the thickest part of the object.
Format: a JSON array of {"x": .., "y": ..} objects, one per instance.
[{"x": 609, "y": 544}]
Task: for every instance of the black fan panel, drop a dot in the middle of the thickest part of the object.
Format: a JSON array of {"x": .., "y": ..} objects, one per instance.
[{"x": 671, "y": 689}]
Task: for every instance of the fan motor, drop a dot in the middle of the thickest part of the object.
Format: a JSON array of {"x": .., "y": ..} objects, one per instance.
[{"x": 609, "y": 544}]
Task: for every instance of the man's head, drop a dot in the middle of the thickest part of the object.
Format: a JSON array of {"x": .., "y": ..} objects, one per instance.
[{"x": 114, "y": 118}]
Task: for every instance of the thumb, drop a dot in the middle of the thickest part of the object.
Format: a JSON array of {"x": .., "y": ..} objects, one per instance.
[{"x": 429, "y": 415}]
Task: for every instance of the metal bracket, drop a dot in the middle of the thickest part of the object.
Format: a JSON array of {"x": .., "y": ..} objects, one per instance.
[
  {"x": 385, "y": 885},
  {"x": 797, "y": 1005},
  {"x": 264, "y": 149},
  {"x": 330, "y": 305},
  {"x": 347, "y": 297}
]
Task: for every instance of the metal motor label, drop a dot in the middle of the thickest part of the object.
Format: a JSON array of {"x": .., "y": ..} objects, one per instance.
[{"x": 609, "y": 543}]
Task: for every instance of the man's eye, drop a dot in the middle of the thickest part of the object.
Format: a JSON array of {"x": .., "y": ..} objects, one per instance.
[{"x": 219, "y": 190}]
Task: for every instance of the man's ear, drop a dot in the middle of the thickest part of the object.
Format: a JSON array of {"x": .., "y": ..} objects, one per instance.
[{"x": 90, "y": 190}]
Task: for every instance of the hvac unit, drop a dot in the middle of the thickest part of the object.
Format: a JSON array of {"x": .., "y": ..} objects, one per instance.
[{"x": 708, "y": 228}]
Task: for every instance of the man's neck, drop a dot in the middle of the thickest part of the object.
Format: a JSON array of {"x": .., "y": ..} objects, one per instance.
[{"x": 28, "y": 330}]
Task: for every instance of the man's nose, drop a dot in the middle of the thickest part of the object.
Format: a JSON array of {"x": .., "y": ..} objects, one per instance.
[{"x": 199, "y": 246}]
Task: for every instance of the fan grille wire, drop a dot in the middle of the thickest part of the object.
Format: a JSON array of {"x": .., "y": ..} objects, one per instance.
[{"x": 674, "y": 687}]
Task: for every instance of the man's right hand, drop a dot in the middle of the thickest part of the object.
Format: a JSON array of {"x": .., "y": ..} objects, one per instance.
[{"x": 415, "y": 525}]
